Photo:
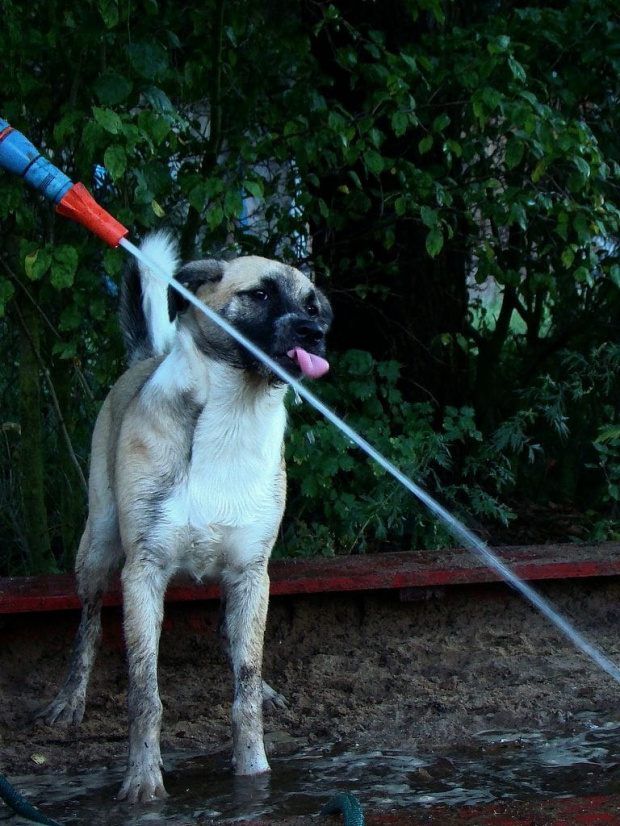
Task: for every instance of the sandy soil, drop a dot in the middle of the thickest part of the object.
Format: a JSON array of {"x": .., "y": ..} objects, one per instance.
[{"x": 365, "y": 669}]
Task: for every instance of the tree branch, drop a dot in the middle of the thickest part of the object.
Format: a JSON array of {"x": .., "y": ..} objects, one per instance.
[{"x": 54, "y": 398}]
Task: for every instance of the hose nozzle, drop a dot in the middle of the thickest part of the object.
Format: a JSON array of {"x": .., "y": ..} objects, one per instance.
[{"x": 19, "y": 155}]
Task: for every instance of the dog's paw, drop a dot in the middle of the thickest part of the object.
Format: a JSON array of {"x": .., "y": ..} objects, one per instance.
[
  {"x": 272, "y": 699},
  {"x": 63, "y": 712},
  {"x": 142, "y": 786}
]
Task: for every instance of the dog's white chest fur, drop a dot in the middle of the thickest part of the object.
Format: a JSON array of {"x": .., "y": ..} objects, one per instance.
[
  {"x": 234, "y": 466},
  {"x": 228, "y": 495}
]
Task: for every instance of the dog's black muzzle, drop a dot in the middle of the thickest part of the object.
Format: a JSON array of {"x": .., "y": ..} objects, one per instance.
[{"x": 307, "y": 333}]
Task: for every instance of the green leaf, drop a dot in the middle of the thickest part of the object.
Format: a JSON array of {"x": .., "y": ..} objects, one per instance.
[
  {"x": 159, "y": 102},
  {"x": 539, "y": 170},
  {"x": 374, "y": 161},
  {"x": 112, "y": 88},
  {"x": 7, "y": 291},
  {"x": 66, "y": 126},
  {"x": 582, "y": 228},
  {"x": 428, "y": 216},
  {"x": 233, "y": 204},
  {"x": 214, "y": 216},
  {"x": 37, "y": 263},
  {"x": 583, "y": 274},
  {"x": 568, "y": 256},
  {"x": 491, "y": 97},
  {"x": 400, "y": 205},
  {"x": 400, "y": 123},
  {"x": 517, "y": 69},
  {"x": 437, "y": 10},
  {"x": 108, "y": 9},
  {"x": 113, "y": 261},
  {"x": 323, "y": 208},
  {"x": 410, "y": 61},
  {"x": 440, "y": 122},
  {"x": 108, "y": 119},
  {"x": 154, "y": 126},
  {"x": 254, "y": 188},
  {"x": 65, "y": 349},
  {"x": 149, "y": 60},
  {"x": 514, "y": 153},
  {"x": 499, "y": 44},
  {"x": 582, "y": 165},
  {"x": 434, "y": 242},
  {"x": 425, "y": 144},
  {"x": 64, "y": 266},
  {"x": 198, "y": 197},
  {"x": 608, "y": 434},
  {"x": 71, "y": 317},
  {"x": 115, "y": 161}
]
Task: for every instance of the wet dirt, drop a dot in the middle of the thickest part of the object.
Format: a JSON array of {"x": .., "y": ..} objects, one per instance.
[
  {"x": 363, "y": 673},
  {"x": 540, "y": 767}
]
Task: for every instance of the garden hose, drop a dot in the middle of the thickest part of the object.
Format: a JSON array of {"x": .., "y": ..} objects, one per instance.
[
  {"x": 348, "y": 806},
  {"x": 20, "y": 805}
]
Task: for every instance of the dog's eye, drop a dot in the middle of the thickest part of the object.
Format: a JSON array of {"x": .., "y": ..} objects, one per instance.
[
  {"x": 312, "y": 309},
  {"x": 259, "y": 295}
]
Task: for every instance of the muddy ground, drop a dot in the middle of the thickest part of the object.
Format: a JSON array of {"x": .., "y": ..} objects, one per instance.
[{"x": 364, "y": 669}]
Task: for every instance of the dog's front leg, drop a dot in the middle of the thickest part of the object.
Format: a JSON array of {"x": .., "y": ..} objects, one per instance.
[
  {"x": 246, "y": 594},
  {"x": 144, "y": 586}
]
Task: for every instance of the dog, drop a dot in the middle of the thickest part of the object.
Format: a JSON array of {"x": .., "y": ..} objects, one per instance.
[{"x": 187, "y": 475}]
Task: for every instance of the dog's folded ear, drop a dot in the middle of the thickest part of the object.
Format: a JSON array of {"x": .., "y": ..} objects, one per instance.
[{"x": 193, "y": 276}]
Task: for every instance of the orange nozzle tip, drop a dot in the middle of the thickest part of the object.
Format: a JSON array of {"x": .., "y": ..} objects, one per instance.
[{"x": 79, "y": 205}]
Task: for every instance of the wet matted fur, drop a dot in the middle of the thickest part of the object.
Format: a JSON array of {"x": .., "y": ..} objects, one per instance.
[{"x": 187, "y": 474}]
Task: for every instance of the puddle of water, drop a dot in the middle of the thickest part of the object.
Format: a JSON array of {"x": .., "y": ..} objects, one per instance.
[{"x": 498, "y": 765}]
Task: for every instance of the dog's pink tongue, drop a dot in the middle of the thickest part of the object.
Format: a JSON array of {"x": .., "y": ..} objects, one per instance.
[{"x": 310, "y": 365}]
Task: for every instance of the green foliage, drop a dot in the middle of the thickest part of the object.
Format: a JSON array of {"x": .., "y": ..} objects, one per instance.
[
  {"x": 450, "y": 173},
  {"x": 341, "y": 502}
]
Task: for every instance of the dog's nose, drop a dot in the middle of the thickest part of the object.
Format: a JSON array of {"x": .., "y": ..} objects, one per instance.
[{"x": 307, "y": 331}]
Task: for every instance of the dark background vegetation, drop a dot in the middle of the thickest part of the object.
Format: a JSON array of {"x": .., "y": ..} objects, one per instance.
[{"x": 448, "y": 171}]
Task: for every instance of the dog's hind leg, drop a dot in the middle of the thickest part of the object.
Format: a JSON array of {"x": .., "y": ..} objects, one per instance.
[
  {"x": 246, "y": 594},
  {"x": 96, "y": 562},
  {"x": 144, "y": 586}
]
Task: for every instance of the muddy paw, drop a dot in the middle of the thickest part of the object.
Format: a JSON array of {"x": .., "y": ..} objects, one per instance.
[
  {"x": 272, "y": 699},
  {"x": 142, "y": 787},
  {"x": 63, "y": 712}
]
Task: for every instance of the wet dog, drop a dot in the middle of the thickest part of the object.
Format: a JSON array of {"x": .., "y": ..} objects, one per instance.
[{"x": 187, "y": 474}]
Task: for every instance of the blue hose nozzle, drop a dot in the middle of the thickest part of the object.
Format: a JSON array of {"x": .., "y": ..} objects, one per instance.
[
  {"x": 20, "y": 156},
  {"x": 73, "y": 201}
]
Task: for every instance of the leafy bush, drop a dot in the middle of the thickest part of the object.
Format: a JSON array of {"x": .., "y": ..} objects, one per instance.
[
  {"x": 407, "y": 158},
  {"x": 340, "y": 501},
  {"x": 607, "y": 446}
]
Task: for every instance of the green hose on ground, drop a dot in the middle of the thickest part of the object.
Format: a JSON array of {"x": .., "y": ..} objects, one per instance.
[
  {"x": 20, "y": 805},
  {"x": 348, "y": 806}
]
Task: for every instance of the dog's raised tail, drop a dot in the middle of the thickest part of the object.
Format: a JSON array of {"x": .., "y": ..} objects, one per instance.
[{"x": 144, "y": 315}]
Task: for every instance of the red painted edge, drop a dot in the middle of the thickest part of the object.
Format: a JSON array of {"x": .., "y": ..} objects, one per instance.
[{"x": 411, "y": 569}]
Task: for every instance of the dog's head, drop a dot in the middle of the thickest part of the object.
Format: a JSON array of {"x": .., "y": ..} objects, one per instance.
[{"x": 275, "y": 306}]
